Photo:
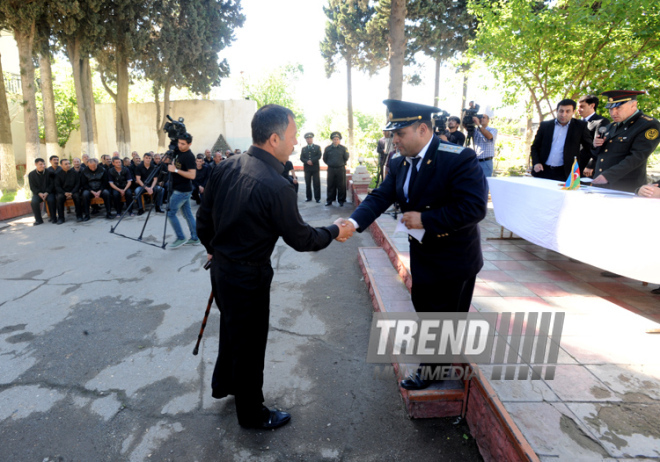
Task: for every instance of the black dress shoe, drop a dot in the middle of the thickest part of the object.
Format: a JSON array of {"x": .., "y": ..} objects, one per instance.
[
  {"x": 341, "y": 204},
  {"x": 308, "y": 200},
  {"x": 415, "y": 382},
  {"x": 60, "y": 221},
  {"x": 656, "y": 291},
  {"x": 609, "y": 274},
  {"x": 318, "y": 201},
  {"x": 274, "y": 420},
  {"x": 37, "y": 223},
  {"x": 159, "y": 210},
  {"x": 140, "y": 212},
  {"x": 79, "y": 219},
  {"x": 328, "y": 204},
  {"x": 109, "y": 216}
]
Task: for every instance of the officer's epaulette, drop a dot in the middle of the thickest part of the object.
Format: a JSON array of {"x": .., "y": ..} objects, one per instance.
[
  {"x": 647, "y": 117},
  {"x": 450, "y": 148}
]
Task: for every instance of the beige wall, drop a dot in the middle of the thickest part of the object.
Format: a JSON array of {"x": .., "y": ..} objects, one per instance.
[{"x": 205, "y": 120}]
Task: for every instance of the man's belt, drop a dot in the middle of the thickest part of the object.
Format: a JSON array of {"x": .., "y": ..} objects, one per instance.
[{"x": 484, "y": 159}]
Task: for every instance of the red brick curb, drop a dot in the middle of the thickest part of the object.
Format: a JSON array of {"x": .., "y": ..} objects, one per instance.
[{"x": 11, "y": 210}]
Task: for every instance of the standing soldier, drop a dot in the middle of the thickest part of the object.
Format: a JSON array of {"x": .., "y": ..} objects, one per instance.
[
  {"x": 622, "y": 152},
  {"x": 310, "y": 156},
  {"x": 335, "y": 156}
]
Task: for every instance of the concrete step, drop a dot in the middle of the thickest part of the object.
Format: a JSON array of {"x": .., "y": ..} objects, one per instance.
[{"x": 389, "y": 294}]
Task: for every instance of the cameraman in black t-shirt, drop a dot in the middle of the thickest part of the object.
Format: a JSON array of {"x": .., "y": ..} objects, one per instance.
[
  {"x": 453, "y": 134},
  {"x": 182, "y": 172}
]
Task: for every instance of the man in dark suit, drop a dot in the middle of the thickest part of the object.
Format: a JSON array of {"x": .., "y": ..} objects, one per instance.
[
  {"x": 310, "y": 156},
  {"x": 557, "y": 143},
  {"x": 587, "y": 109},
  {"x": 441, "y": 189}
]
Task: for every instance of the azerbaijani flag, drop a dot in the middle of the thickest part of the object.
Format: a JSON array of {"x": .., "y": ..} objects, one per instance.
[{"x": 573, "y": 180}]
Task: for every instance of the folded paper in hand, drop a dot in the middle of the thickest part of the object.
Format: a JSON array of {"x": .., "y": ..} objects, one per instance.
[{"x": 416, "y": 233}]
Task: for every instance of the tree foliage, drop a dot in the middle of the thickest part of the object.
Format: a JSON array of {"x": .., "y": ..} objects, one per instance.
[
  {"x": 564, "y": 49},
  {"x": 65, "y": 105},
  {"x": 276, "y": 87}
]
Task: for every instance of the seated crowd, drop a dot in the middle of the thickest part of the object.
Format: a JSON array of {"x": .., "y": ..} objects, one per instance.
[{"x": 115, "y": 182}]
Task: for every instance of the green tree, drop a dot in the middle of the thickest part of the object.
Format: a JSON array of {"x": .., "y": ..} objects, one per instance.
[
  {"x": 563, "y": 49},
  {"x": 183, "y": 48},
  {"x": 65, "y": 104},
  {"x": 276, "y": 87},
  {"x": 346, "y": 38},
  {"x": 21, "y": 18},
  {"x": 441, "y": 29}
]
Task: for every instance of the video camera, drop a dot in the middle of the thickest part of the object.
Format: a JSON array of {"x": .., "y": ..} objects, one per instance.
[
  {"x": 174, "y": 129},
  {"x": 468, "y": 123},
  {"x": 440, "y": 122}
]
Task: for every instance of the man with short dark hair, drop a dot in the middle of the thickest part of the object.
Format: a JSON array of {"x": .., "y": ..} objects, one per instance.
[
  {"x": 119, "y": 181},
  {"x": 106, "y": 163},
  {"x": 484, "y": 140},
  {"x": 41, "y": 185},
  {"x": 202, "y": 173},
  {"x": 182, "y": 171},
  {"x": 142, "y": 174},
  {"x": 54, "y": 166},
  {"x": 310, "y": 156},
  {"x": 335, "y": 157},
  {"x": 67, "y": 186},
  {"x": 247, "y": 206},
  {"x": 587, "y": 109},
  {"x": 557, "y": 143},
  {"x": 454, "y": 135},
  {"x": 93, "y": 185}
]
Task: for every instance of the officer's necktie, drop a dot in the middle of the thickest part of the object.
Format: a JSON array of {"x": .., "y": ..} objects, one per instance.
[{"x": 413, "y": 174}]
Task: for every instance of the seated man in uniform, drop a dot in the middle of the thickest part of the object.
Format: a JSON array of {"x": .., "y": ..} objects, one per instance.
[{"x": 67, "y": 186}]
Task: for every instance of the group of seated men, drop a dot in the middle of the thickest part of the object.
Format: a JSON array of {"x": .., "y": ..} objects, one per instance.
[{"x": 114, "y": 180}]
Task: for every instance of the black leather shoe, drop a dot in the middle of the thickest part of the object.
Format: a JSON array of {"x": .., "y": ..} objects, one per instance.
[
  {"x": 415, "y": 382},
  {"x": 53, "y": 220},
  {"x": 79, "y": 219},
  {"x": 341, "y": 204},
  {"x": 37, "y": 223},
  {"x": 274, "y": 420},
  {"x": 609, "y": 274},
  {"x": 159, "y": 210},
  {"x": 318, "y": 201},
  {"x": 308, "y": 200},
  {"x": 86, "y": 218},
  {"x": 140, "y": 212},
  {"x": 656, "y": 291},
  {"x": 109, "y": 216},
  {"x": 328, "y": 204},
  {"x": 60, "y": 221}
]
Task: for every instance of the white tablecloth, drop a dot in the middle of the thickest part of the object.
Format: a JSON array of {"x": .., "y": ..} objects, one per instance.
[{"x": 618, "y": 233}]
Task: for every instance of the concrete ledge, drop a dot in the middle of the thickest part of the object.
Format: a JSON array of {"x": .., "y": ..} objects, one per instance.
[{"x": 11, "y": 210}]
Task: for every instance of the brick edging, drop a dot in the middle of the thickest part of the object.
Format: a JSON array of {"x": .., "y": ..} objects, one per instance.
[{"x": 9, "y": 210}]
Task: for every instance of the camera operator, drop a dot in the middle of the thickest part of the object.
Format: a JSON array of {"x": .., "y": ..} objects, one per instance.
[
  {"x": 484, "y": 142},
  {"x": 453, "y": 134},
  {"x": 182, "y": 172}
]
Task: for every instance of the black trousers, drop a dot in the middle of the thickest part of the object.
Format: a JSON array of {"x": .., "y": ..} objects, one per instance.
[
  {"x": 243, "y": 294},
  {"x": 313, "y": 176},
  {"x": 337, "y": 184},
  {"x": 36, "y": 207},
  {"x": 551, "y": 173},
  {"x": 116, "y": 198},
  {"x": 61, "y": 199},
  {"x": 87, "y": 198}
]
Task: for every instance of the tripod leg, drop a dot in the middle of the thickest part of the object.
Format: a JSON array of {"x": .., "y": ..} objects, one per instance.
[{"x": 146, "y": 221}]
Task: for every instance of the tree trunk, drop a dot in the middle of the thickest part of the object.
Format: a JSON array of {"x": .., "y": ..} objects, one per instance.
[
  {"x": 162, "y": 141},
  {"x": 465, "y": 89},
  {"x": 50, "y": 123},
  {"x": 122, "y": 127},
  {"x": 25, "y": 40},
  {"x": 349, "y": 107},
  {"x": 397, "y": 44},
  {"x": 436, "y": 91},
  {"x": 82, "y": 79},
  {"x": 7, "y": 161}
]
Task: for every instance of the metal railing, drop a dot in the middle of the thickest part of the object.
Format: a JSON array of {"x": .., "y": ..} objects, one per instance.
[{"x": 12, "y": 83}]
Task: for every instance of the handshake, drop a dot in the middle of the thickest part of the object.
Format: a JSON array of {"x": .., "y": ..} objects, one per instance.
[{"x": 346, "y": 229}]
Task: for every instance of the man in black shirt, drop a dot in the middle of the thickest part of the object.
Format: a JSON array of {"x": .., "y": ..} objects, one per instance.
[
  {"x": 208, "y": 158},
  {"x": 202, "y": 172},
  {"x": 67, "y": 186},
  {"x": 246, "y": 208},
  {"x": 182, "y": 172},
  {"x": 41, "y": 185},
  {"x": 453, "y": 135},
  {"x": 119, "y": 181},
  {"x": 150, "y": 186},
  {"x": 310, "y": 156},
  {"x": 93, "y": 186}
]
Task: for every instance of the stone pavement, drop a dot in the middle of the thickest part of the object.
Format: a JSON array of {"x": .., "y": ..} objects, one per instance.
[
  {"x": 604, "y": 402},
  {"x": 96, "y": 336}
]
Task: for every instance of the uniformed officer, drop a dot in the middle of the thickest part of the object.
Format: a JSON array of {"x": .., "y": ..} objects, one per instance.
[
  {"x": 441, "y": 189},
  {"x": 622, "y": 152},
  {"x": 335, "y": 156},
  {"x": 310, "y": 156}
]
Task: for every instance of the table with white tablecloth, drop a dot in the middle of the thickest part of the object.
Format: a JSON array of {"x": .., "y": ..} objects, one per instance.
[{"x": 617, "y": 232}]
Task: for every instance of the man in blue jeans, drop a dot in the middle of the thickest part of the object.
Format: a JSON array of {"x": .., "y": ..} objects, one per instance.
[{"x": 182, "y": 171}]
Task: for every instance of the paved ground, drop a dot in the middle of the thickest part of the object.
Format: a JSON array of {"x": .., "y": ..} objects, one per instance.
[{"x": 96, "y": 335}]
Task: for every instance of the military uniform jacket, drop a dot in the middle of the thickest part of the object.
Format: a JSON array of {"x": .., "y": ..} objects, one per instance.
[
  {"x": 450, "y": 191},
  {"x": 622, "y": 158},
  {"x": 311, "y": 152},
  {"x": 335, "y": 156}
]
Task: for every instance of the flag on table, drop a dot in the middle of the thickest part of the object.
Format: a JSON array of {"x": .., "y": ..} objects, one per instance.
[{"x": 573, "y": 180}]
